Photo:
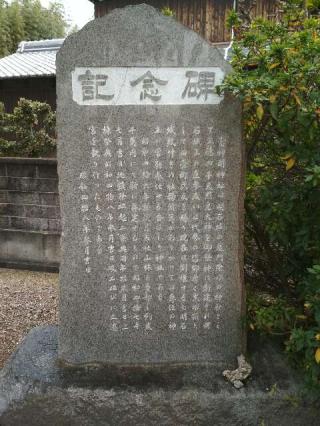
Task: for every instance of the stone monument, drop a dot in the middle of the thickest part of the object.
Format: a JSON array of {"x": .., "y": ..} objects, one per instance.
[
  {"x": 150, "y": 164},
  {"x": 151, "y": 184}
]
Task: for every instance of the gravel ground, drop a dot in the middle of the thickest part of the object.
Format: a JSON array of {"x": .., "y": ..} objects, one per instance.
[{"x": 27, "y": 299}]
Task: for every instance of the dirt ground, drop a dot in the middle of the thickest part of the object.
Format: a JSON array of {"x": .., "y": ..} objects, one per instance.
[{"x": 27, "y": 299}]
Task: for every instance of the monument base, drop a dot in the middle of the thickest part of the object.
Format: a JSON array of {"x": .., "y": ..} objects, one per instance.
[{"x": 34, "y": 390}]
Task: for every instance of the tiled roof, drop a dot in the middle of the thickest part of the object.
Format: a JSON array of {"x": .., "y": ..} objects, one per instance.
[
  {"x": 38, "y": 59},
  {"x": 32, "y": 59}
]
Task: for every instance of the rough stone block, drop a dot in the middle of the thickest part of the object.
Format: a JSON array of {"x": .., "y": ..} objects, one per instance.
[
  {"x": 34, "y": 211},
  {"x": 49, "y": 198},
  {"x": 48, "y": 171},
  {"x": 3, "y": 182},
  {"x": 29, "y": 246},
  {"x": 5, "y": 209},
  {"x": 54, "y": 225},
  {"x": 3, "y": 169},
  {"x": 4, "y": 196},
  {"x": 19, "y": 197},
  {"x": 30, "y": 184},
  {"x": 30, "y": 223},
  {"x": 5, "y": 222},
  {"x": 21, "y": 170},
  {"x": 29, "y": 211}
]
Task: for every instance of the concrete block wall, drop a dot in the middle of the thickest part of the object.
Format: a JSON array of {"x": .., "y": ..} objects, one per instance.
[{"x": 29, "y": 213}]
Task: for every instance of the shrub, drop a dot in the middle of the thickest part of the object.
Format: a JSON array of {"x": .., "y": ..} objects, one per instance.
[
  {"x": 167, "y": 11},
  {"x": 277, "y": 77},
  {"x": 29, "y": 131}
]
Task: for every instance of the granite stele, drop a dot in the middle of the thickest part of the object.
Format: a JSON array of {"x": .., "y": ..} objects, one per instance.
[{"x": 151, "y": 184}]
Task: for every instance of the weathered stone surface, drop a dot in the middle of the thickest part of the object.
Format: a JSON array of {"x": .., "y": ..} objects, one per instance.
[
  {"x": 34, "y": 391},
  {"x": 151, "y": 194}
]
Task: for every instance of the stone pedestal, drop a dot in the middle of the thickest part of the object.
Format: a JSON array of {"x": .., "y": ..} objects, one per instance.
[{"x": 35, "y": 391}]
